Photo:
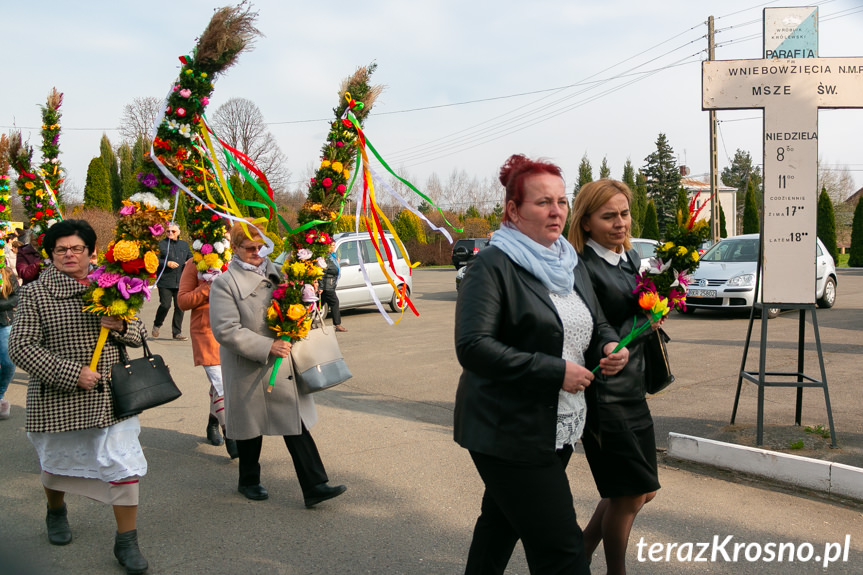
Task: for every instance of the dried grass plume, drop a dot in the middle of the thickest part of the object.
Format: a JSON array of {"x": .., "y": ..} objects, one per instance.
[{"x": 230, "y": 31}]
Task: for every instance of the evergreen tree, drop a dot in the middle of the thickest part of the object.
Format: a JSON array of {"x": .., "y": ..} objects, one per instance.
[
  {"x": 109, "y": 158},
  {"x": 827, "y": 224},
  {"x": 128, "y": 181},
  {"x": 629, "y": 179},
  {"x": 424, "y": 208},
  {"x": 723, "y": 231},
  {"x": 855, "y": 257},
  {"x": 604, "y": 170},
  {"x": 751, "y": 221},
  {"x": 585, "y": 174},
  {"x": 651, "y": 228},
  {"x": 639, "y": 205},
  {"x": 409, "y": 227},
  {"x": 97, "y": 190},
  {"x": 472, "y": 212},
  {"x": 494, "y": 218},
  {"x": 663, "y": 179}
]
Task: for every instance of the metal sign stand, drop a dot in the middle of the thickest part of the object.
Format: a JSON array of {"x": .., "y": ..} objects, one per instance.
[{"x": 760, "y": 378}]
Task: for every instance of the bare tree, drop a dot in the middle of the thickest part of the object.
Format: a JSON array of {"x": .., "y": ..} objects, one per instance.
[
  {"x": 837, "y": 179},
  {"x": 138, "y": 119},
  {"x": 240, "y": 124}
]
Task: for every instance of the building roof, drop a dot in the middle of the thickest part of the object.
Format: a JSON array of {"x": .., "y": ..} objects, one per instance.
[
  {"x": 855, "y": 197},
  {"x": 696, "y": 185}
]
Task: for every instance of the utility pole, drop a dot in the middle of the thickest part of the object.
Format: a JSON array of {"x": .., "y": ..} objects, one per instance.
[{"x": 714, "y": 169}]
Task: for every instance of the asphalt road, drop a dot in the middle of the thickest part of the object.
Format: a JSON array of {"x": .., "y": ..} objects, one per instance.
[{"x": 413, "y": 494}]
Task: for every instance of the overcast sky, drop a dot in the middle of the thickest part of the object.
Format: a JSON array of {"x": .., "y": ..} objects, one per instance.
[{"x": 467, "y": 82}]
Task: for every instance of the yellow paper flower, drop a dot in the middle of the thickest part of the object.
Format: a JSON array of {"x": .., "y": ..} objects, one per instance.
[
  {"x": 667, "y": 246},
  {"x": 347, "y": 174},
  {"x": 337, "y": 166},
  {"x": 197, "y": 257},
  {"x": 325, "y": 164},
  {"x": 97, "y": 294},
  {"x": 29, "y": 185},
  {"x": 661, "y": 306},
  {"x": 151, "y": 262},
  {"x": 118, "y": 307},
  {"x": 297, "y": 269},
  {"x": 212, "y": 260},
  {"x": 271, "y": 313},
  {"x": 126, "y": 250},
  {"x": 694, "y": 255},
  {"x": 303, "y": 330},
  {"x": 296, "y": 311},
  {"x": 682, "y": 251},
  {"x": 228, "y": 255},
  {"x": 202, "y": 266}
]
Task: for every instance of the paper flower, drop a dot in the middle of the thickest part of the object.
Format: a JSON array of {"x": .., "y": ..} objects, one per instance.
[
  {"x": 206, "y": 249},
  {"x": 296, "y": 311},
  {"x": 327, "y": 182},
  {"x": 157, "y": 230},
  {"x": 309, "y": 295},
  {"x": 151, "y": 262},
  {"x": 196, "y": 245},
  {"x": 185, "y": 92},
  {"x": 126, "y": 250},
  {"x": 304, "y": 254}
]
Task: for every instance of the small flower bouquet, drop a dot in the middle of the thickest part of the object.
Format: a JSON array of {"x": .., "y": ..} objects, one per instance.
[
  {"x": 121, "y": 284},
  {"x": 211, "y": 248},
  {"x": 293, "y": 299}
]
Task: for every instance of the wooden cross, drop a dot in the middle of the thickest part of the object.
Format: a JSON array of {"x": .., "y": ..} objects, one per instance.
[{"x": 790, "y": 91}]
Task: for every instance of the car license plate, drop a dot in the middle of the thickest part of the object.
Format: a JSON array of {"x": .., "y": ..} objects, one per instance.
[{"x": 701, "y": 293}]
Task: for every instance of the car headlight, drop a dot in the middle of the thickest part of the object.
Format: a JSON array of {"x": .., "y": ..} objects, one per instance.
[{"x": 742, "y": 280}]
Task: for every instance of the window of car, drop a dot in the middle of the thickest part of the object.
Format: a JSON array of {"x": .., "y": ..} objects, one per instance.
[
  {"x": 733, "y": 251},
  {"x": 646, "y": 249},
  {"x": 348, "y": 251}
]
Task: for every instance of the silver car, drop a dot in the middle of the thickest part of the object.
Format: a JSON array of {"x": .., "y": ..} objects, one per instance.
[{"x": 725, "y": 279}]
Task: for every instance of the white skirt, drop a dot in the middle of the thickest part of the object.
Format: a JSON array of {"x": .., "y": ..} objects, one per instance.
[{"x": 105, "y": 453}]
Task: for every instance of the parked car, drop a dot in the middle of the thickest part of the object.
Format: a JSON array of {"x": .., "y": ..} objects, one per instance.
[
  {"x": 464, "y": 250},
  {"x": 646, "y": 248},
  {"x": 725, "y": 279},
  {"x": 352, "y": 289}
]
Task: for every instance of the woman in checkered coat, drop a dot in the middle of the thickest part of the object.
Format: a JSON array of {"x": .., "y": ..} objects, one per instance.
[{"x": 83, "y": 448}]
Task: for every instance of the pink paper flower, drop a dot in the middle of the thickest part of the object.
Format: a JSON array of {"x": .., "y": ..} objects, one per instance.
[
  {"x": 128, "y": 286},
  {"x": 107, "y": 279},
  {"x": 205, "y": 100},
  {"x": 341, "y": 189},
  {"x": 185, "y": 92},
  {"x": 321, "y": 263},
  {"x": 127, "y": 210},
  {"x": 327, "y": 182},
  {"x": 157, "y": 230},
  {"x": 340, "y": 144},
  {"x": 206, "y": 249},
  {"x": 279, "y": 292},
  {"x": 304, "y": 254}
]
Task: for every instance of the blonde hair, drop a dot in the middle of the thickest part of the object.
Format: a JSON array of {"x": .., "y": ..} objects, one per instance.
[
  {"x": 590, "y": 198},
  {"x": 8, "y": 278}
]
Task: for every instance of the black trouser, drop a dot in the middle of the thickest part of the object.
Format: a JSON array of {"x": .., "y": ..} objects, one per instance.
[
  {"x": 166, "y": 296},
  {"x": 304, "y": 452},
  {"x": 531, "y": 502},
  {"x": 330, "y": 298}
]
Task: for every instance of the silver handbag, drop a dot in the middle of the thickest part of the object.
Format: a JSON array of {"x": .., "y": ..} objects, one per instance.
[{"x": 318, "y": 361}]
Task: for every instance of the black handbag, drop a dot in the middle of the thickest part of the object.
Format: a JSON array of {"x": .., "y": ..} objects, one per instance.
[
  {"x": 318, "y": 360},
  {"x": 657, "y": 372},
  {"x": 140, "y": 384}
]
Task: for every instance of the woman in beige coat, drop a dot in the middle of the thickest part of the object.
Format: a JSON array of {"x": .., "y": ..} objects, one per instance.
[
  {"x": 239, "y": 299},
  {"x": 194, "y": 295}
]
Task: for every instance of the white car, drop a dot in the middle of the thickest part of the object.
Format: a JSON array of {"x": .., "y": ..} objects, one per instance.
[
  {"x": 646, "y": 249},
  {"x": 725, "y": 279},
  {"x": 352, "y": 289}
]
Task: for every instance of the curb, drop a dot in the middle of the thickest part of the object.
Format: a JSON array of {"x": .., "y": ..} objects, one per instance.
[{"x": 823, "y": 476}]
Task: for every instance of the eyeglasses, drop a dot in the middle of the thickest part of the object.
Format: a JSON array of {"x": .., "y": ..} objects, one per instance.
[
  {"x": 173, "y": 232},
  {"x": 61, "y": 250},
  {"x": 253, "y": 249}
]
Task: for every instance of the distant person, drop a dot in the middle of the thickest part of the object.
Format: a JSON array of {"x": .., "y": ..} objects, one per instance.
[
  {"x": 619, "y": 441},
  {"x": 239, "y": 299},
  {"x": 528, "y": 329},
  {"x": 330, "y": 281},
  {"x": 8, "y": 303},
  {"x": 194, "y": 295},
  {"x": 83, "y": 448},
  {"x": 173, "y": 254},
  {"x": 29, "y": 261}
]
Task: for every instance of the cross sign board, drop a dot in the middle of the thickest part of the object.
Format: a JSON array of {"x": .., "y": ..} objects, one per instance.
[{"x": 790, "y": 91}]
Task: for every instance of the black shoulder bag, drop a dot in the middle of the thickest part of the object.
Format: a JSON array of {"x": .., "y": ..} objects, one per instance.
[{"x": 140, "y": 384}]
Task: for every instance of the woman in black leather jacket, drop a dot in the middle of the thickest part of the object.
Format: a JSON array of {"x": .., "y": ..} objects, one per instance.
[
  {"x": 528, "y": 328},
  {"x": 619, "y": 441}
]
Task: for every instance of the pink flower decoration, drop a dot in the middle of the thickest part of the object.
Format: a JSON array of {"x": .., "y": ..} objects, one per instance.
[
  {"x": 157, "y": 230},
  {"x": 181, "y": 112},
  {"x": 176, "y": 87},
  {"x": 94, "y": 275},
  {"x": 340, "y": 144},
  {"x": 279, "y": 292},
  {"x": 327, "y": 182},
  {"x": 313, "y": 181},
  {"x": 38, "y": 205},
  {"x": 341, "y": 189},
  {"x": 321, "y": 263},
  {"x": 304, "y": 254},
  {"x": 206, "y": 249},
  {"x": 309, "y": 294},
  {"x": 127, "y": 210},
  {"x": 108, "y": 279},
  {"x": 205, "y": 100},
  {"x": 185, "y": 92},
  {"x": 128, "y": 286}
]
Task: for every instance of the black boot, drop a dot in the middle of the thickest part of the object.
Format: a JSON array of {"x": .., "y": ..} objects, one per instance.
[
  {"x": 322, "y": 492},
  {"x": 213, "y": 434},
  {"x": 127, "y": 553},
  {"x": 58, "y": 526}
]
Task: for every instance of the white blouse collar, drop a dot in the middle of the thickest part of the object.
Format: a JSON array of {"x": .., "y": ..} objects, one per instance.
[{"x": 611, "y": 257}]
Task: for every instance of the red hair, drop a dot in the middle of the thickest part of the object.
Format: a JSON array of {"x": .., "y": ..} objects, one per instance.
[{"x": 516, "y": 170}]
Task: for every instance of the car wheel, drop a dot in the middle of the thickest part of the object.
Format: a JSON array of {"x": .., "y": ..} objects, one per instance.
[
  {"x": 394, "y": 301},
  {"x": 773, "y": 312},
  {"x": 325, "y": 309},
  {"x": 829, "y": 297}
]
